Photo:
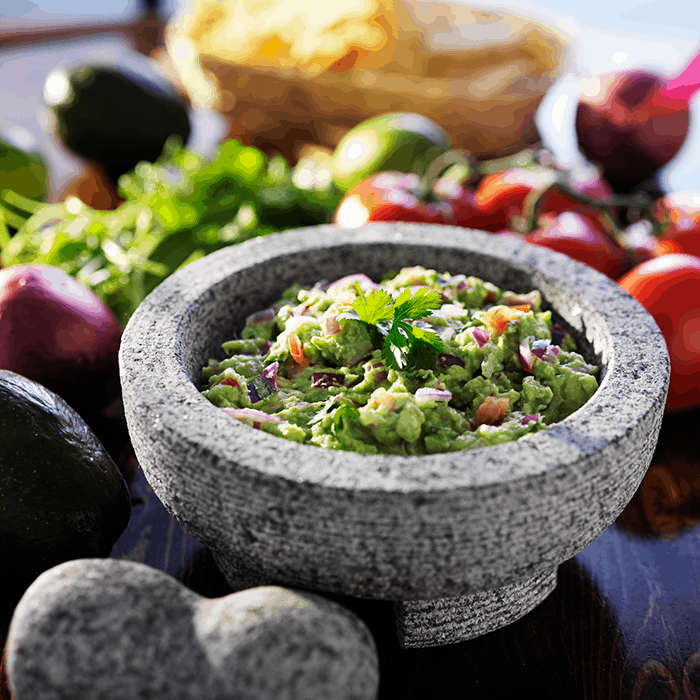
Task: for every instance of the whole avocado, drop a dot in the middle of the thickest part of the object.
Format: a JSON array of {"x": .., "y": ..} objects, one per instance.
[
  {"x": 113, "y": 117},
  {"x": 61, "y": 495},
  {"x": 24, "y": 173}
]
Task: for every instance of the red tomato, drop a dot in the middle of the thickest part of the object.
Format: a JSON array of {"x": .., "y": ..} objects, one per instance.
[
  {"x": 678, "y": 213},
  {"x": 669, "y": 288},
  {"x": 389, "y": 196},
  {"x": 394, "y": 196},
  {"x": 502, "y": 197},
  {"x": 573, "y": 233}
]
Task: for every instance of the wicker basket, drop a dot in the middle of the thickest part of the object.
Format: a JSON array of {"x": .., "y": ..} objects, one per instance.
[{"x": 480, "y": 75}]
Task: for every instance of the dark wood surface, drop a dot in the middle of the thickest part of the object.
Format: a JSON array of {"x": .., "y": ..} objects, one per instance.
[{"x": 623, "y": 622}]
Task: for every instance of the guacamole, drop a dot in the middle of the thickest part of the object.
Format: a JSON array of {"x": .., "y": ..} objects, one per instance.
[{"x": 307, "y": 369}]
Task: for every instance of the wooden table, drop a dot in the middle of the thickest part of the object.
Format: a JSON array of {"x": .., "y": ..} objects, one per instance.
[{"x": 623, "y": 622}]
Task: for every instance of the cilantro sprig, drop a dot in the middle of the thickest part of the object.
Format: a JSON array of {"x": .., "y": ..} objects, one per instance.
[{"x": 405, "y": 345}]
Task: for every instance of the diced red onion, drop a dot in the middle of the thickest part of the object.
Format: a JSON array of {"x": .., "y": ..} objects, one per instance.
[
  {"x": 366, "y": 284},
  {"x": 251, "y": 414},
  {"x": 539, "y": 347},
  {"x": 330, "y": 324},
  {"x": 324, "y": 380},
  {"x": 270, "y": 373},
  {"x": 261, "y": 316},
  {"x": 532, "y": 418},
  {"x": 545, "y": 350},
  {"x": 480, "y": 335},
  {"x": 429, "y": 394},
  {"x": 525, "y": 356}
]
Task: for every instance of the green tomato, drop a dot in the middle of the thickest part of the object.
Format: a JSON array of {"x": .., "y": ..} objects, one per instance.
[
  {"x": 22, "y": 172},
  {"x": 402, "y": 141}
]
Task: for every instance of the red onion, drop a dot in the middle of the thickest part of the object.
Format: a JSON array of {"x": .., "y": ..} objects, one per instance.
[
  {"x": 366, "y": 284},
  {"x": 324, "y": 380},
  {"x": 260, "y": 388},
  {"x": 540, "y": 348},
  {"x": 429, "y": 394},
  {"x": 532, "y": 418},
  {"x": 57, "y": 332},
  {"x": 270, "y": 373},
  {"x": 545, "y": 350},
  {"x": 480, "y": 335},
  {"x": 251, "y": 414},
  {"x": 525, "y": 356},
  {"x": 261, "y": 316},
  {"x": 330, "y": 324}
]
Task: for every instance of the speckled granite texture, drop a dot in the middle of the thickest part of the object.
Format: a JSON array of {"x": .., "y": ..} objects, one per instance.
[
  {"x": 102, "y": 629},
  {"x": 413, "y": 528},
  {"x": 421, "y": 623}
]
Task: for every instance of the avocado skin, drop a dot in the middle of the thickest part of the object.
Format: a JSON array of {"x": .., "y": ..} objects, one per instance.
[
  {"x": 61, "y": 495},
  {"x": 117, "y": 119}
]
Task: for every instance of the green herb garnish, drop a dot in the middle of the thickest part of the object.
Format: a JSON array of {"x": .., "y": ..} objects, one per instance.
[
  {"x": 176, "y": 210},
  {"x": 405, "y": 344}
]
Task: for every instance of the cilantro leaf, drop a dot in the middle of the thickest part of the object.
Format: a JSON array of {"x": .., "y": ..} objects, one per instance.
[
  {"x": 416, "y": 303},
  {"x": 375, "y": 308},
  {"x": 428, "y": 337},
  {"x": 404, "y": 344}
]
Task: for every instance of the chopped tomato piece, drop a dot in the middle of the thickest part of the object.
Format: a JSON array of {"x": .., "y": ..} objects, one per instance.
[
  {"x": 296, "y": 350},
  {"x": 492, "y": 411},
  {"x": 497, "y": 318},
  {"x": 230, "y": 381}
]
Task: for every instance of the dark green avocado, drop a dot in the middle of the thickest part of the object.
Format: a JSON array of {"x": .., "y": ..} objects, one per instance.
[
  {"x": 61, "y": 495},
  {"x": 114, "y": 117}
]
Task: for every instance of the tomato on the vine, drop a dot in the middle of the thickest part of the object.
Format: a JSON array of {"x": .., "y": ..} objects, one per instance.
[
  {"x": 678, "y": 216},
  {"x": 573, "y": 233},
  {"x": 669, "y": 288},
  {"x": 395, "y": 196},
  {"x": 389, "y": 196},
  {"x": 504, "y": 197}
]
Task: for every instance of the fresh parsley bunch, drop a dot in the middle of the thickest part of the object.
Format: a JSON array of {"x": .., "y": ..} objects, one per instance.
[{"x": 405, "y": 345}]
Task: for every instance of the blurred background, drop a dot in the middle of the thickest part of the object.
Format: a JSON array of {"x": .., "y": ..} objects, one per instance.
[{"x": 660, "y": 34}]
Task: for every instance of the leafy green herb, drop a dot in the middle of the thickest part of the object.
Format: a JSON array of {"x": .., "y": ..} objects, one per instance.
[
  {"x": 175, "y": 211},
  {"x": 405, "y": 344}
]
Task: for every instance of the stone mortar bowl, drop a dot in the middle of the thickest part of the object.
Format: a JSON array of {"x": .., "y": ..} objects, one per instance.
[{"x": 463, "y": 542}]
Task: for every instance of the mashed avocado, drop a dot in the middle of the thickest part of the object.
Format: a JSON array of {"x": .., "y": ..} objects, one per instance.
[{"x": 307, "y": 370}]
